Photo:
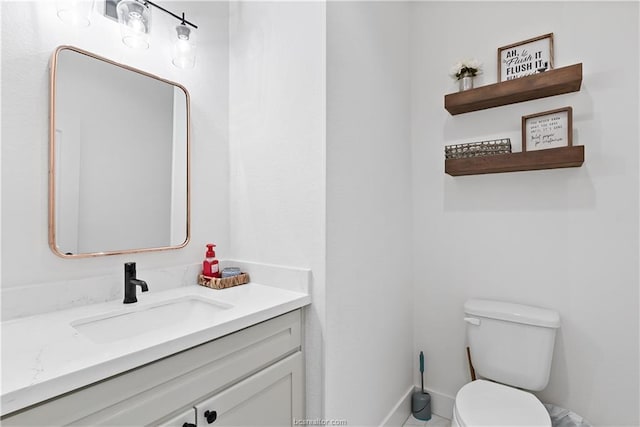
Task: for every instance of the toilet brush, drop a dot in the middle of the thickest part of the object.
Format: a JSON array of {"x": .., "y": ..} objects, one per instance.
[
  {"x": 421, "y": 401},
  {"x": 422, "y": 372}
]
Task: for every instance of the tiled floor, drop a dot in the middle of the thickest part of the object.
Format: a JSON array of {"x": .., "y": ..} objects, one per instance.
[{"x": 435, "y": 421}]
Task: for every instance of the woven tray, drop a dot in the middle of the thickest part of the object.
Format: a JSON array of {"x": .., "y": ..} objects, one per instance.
[
  {"x": 227, "y": 282},
  {"x": 478, "y": 149}
]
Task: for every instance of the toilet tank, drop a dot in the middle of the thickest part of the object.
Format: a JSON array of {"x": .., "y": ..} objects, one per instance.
[{"x": 511, "y": 343}]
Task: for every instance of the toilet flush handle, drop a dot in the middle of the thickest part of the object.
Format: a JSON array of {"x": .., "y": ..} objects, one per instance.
[{"x": 472, "y": 320}]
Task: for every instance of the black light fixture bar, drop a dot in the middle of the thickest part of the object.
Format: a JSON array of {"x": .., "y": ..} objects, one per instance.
[
  {"x": 180, "y": 18},
  {"x": 110, "y": 11}
]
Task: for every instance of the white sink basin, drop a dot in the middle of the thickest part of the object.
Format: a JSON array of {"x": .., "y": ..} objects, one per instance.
[{"x": 133, "y": 321}]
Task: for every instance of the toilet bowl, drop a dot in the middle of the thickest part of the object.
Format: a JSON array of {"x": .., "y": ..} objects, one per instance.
[{"x": 485, "y": 403}]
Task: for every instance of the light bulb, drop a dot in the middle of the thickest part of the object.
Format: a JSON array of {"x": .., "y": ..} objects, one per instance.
[
  {"x": 135, "y": 23},
  {"x": 75, "y": 12},
  {"x": 184, "y": 47}
]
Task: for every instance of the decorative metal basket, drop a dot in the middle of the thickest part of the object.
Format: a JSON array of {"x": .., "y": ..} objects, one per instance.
[{"x": 478, "y": 149}]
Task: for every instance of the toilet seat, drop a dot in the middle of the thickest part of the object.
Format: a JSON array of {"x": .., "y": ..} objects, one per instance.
[{"x": 484, "y": 403}]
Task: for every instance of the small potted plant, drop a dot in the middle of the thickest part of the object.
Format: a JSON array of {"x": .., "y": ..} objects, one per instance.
[{"x": 465, "y": 71}]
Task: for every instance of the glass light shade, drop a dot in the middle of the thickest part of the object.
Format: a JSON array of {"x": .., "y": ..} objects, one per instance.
[
  {"x": 184, "y": 47},
  {"x": 135, "y": 23},
  {"x": 75, "y": 12}
]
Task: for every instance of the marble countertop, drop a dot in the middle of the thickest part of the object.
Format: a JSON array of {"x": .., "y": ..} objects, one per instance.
[{"x": 44, "y": 356}]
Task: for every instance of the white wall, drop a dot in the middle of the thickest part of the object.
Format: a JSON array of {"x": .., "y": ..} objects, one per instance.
[
  {"x": 562, "y": 239},
  {"x": 30, "y": 33},
  {"x": 369, "y": 300},
  {"x": 277, "y": 129}
]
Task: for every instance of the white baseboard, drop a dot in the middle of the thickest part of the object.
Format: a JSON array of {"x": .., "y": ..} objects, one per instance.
[
  {"x": 441, "y": 404},
  {"x": 400, "y": 412}
]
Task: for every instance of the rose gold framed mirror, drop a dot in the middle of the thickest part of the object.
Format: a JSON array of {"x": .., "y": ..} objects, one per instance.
[{"x": 119, "y": 158}]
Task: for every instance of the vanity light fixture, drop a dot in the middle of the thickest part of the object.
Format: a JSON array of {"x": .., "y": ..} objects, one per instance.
[{"x": 134, "y": 17}]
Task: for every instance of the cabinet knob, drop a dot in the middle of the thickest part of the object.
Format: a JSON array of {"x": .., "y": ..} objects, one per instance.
[
  {"x": 188, "y": 425},
  {"x": 211, "y": 416}
]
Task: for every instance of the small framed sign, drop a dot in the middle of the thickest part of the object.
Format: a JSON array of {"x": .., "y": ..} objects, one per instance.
[
  {"x": 525, "y": 58},
  {"x": 549, "y": 129}
]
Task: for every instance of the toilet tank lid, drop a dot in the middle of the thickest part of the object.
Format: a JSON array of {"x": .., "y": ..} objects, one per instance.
[{"x": 511, "y": 312}]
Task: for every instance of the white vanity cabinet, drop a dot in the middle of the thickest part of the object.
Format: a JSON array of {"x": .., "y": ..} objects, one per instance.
[
  {"x": 185, "y": 419},
  {"x": 252, "y": 377}
]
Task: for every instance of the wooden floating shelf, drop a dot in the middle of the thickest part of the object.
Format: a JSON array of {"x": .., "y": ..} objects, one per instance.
[
  {"x": 552, "y": 158},
  {"x": 541, "y": 85}
]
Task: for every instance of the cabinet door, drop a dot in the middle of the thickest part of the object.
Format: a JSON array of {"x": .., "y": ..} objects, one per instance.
[
  {"x": 185, "y": 419},
  {"x": 272, "y": 397}
]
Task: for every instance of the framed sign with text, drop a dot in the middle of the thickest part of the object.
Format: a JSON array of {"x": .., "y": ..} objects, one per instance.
[
  {"x": 549, "y": 129},
  {"x": 525, "y": 58}
]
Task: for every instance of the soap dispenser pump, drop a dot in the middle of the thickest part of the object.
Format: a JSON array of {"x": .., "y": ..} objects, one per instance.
[{"x": 210, "y": 266}]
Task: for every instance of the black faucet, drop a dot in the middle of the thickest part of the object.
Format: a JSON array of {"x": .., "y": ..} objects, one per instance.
[{"x": 130, "y": 283}]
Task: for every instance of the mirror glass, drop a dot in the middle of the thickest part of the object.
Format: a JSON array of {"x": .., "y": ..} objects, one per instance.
[{"x": 119, "y": 158}]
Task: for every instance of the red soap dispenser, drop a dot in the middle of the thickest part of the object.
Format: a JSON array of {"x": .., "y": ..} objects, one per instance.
[{"x": 210, "y": 266}]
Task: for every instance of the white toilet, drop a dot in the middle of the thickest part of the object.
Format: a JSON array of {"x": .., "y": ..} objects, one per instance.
[{"x": 511, "y": 349}]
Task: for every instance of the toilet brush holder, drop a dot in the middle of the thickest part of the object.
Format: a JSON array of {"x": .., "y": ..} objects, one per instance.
[{"x": 421, "y": 405}]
